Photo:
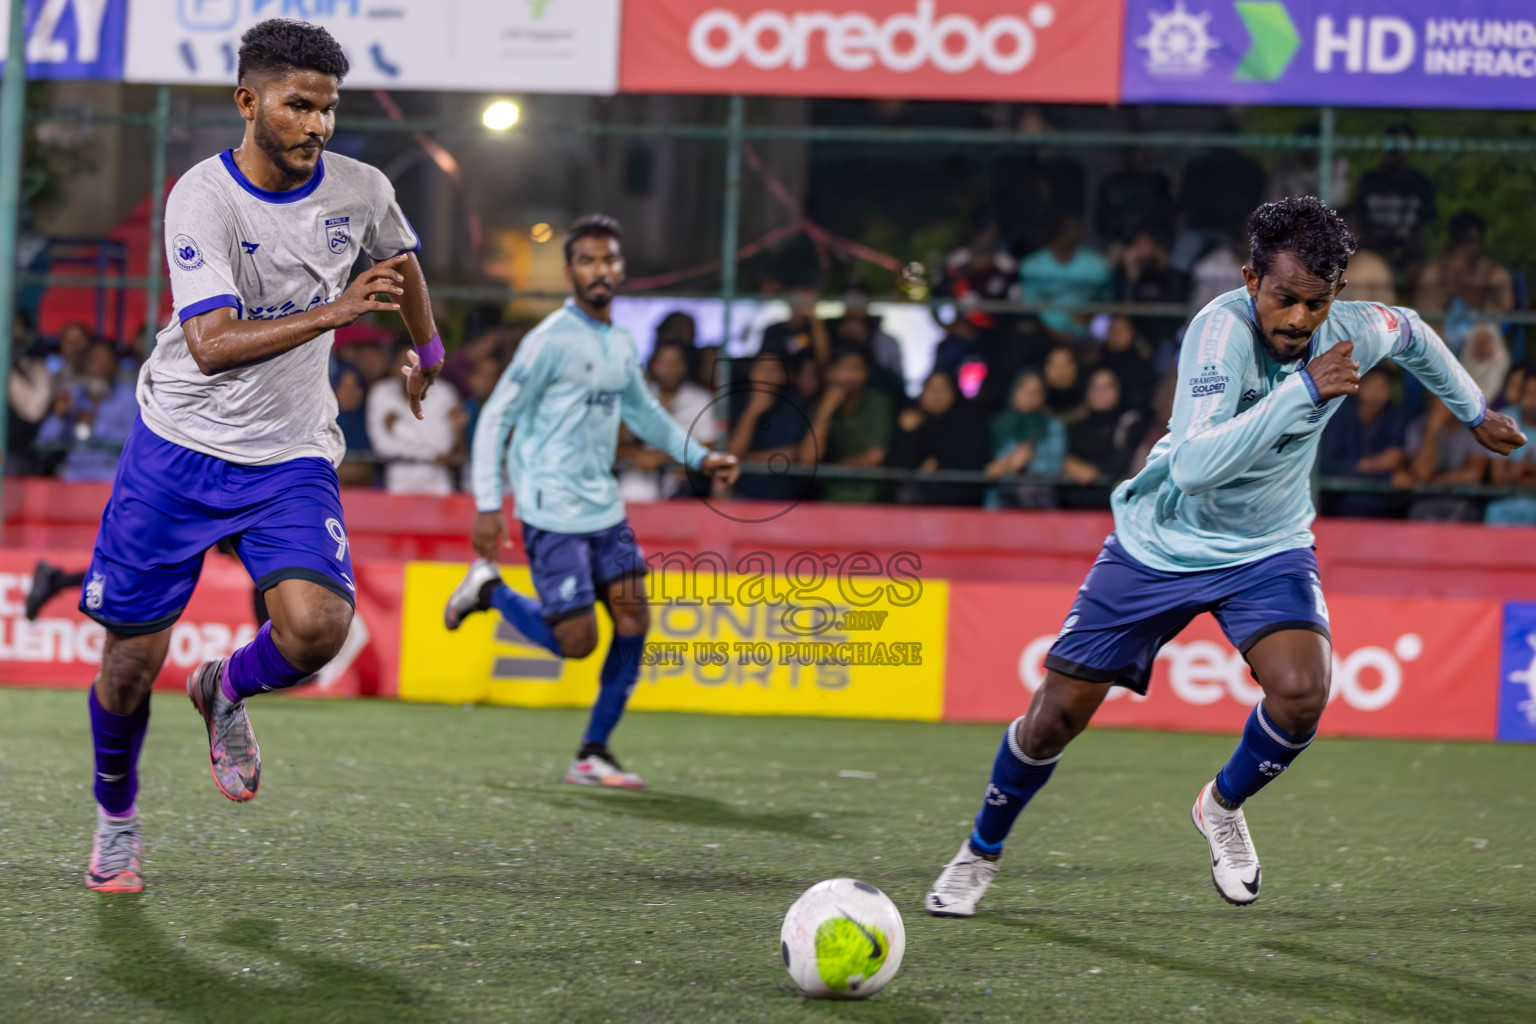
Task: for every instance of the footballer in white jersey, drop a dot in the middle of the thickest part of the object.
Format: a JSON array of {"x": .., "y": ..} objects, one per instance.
[{"x": 237, "y": 437}]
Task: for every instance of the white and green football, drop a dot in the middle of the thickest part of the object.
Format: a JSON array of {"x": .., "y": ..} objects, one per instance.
[{"x": 843, "y": 939}]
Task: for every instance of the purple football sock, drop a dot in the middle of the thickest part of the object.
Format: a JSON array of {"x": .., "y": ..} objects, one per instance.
[
  {"x": 118, "y": 740},
  {"x": 259, "y": 667}
]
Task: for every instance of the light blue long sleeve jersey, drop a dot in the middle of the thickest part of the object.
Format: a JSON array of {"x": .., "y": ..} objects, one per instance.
[
  {"x": 562, "y": 397},
  {"x": 1231, "y": 483}
]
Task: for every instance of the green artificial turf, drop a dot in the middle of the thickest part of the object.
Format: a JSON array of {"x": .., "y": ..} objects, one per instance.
[{"x": 422, "y": 863}]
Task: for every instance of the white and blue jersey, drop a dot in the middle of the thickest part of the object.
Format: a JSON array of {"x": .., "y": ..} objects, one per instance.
[
  {"x": 573, "y": 379},
  {"x": 266, "y": 255},
  {"x": 249, "y": 453},
  {"x": 1231, "y": 481}
]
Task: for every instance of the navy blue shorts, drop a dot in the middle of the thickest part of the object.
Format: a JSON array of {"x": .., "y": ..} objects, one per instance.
[
  {"x": 569, "y": 568},
  {"x": 170, "y": 504},
  {"x": 1125, "y": 611}
]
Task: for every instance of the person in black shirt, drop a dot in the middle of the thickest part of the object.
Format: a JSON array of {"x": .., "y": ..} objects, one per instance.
[
  {"x": 1393, "y": 203},
  {"x": 1100, "y": 445},
  {"x": 941, "y": 431}
]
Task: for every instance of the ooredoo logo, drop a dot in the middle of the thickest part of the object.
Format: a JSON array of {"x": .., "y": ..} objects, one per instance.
[
  {"x": 1368, "y": 678},
  {"x": 952, "y": 42}
]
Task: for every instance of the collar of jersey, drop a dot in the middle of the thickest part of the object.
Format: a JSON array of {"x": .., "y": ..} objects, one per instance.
[
  {"x": 292, "y": 195},
  {"x": 587, "y": 318}
]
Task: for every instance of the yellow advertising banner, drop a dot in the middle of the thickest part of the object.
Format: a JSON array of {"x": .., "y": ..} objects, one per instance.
[{"x": 841, "y": 644}]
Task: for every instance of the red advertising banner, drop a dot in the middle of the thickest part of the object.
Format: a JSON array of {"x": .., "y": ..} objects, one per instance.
[
  {"x": 1046, "y": 50},
  {"x": 63, "y": 647},
  {"x": 1407, "y": 667}
]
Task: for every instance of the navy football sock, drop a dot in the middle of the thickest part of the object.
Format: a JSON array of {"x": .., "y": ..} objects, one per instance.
[
  {"x": 1262, "y": 754},
  {"x": 259, "y": 667},
  {"x": 1016, "y": 778},
  {"x": 620, "y": 671},
  {"x": 118, "y": 740},
  {"x": 526, "y": 616}
]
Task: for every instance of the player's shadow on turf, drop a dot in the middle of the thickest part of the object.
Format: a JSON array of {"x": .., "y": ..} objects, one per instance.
[
  {"x": 1451, "y": 1000},
  {"x": 691, "y": 810},
  {"x": 143, "y": 963}
]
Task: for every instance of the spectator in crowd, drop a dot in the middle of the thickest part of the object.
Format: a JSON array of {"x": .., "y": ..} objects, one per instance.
[
  {"x": 1100, "y": 444},
  {"x": 1486, "y": 357},
  {"x": 29, "y": 386},
  {"x": 1364, "y": 440},
  {"x": 851, "y": 427},
  {"x": 1370, "y": 278},
  {"x": 75, "y": 340},
  {"x": 421, "y": 455},
  {"x": 981, "y": 271},
  {"x": 771, "y": 427},
  {"x": 1065, "y": 273},
  {"x": 678, "y": 328},
  {"x": 481, "y": 381},
  {"x": 1028, "y": 442},
  {"x": 1134, "y": 200},
  {"x": 1146, "y": 274},
  {"x": 856, "y": 327},
  {"x": 984, "y": 361},
  {"x": 961, "y": 344},
  {"x": 690, "y": 406},
  {"x": 1214, "y": 274},
  {"x": 1514, "y": 387},
  {"x": 1129, "y": 356},
  {"x": 1063, "y": 382},
  {"x": 1218, "y": 191},
  {"x": 706, "y": 367},
  {"x": 1295, "y": 173},
  {"x": 1518, "y": 469},
  {"x": 1032, "y": 187},
  {"x": 1464, "y": 281},
  {"x": 1441, "y": 451},
  {"x": 804, "y": 331},
  {"x": 92, "y": 416},
  {"x": 366, "y": 346},
  {"x": 351, "y": 389},
  {"x": 941, "y": 431},
  {"x": 1394, "y": 202}
]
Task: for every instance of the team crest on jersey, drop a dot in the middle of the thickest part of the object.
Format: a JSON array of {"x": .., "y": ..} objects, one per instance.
[
  {"x": 95, "y": 591},
  {"x": 338, "y": 234},
  {"x": 186, "y": 253}
]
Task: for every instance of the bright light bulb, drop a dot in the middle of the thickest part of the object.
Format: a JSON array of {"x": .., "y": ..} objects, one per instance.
[{"x": 500, "y": 116}]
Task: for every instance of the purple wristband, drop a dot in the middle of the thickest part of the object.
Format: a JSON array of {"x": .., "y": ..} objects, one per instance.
[{"x": 431, "y": 353}]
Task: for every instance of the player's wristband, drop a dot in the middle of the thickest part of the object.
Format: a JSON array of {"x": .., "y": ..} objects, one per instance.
[{"x": 431, "y": 353}]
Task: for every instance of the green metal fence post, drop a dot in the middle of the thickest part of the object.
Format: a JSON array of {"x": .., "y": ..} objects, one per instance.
[
  {"x": 13, "y": 95},
  {"x": 1325, "y": 156},
  {"x": 161, "y": 131},
  {"x": 730, "y": 230}
]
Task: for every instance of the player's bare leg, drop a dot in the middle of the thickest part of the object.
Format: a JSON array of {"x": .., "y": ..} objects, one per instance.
[
  {"x": 1061, "y": 709},
  {"x": 119, "y": 701},
  {"x": 309, "y": 624},
  {"x": 625, "y": 599},
  {"x": 1293, "y": 668}
]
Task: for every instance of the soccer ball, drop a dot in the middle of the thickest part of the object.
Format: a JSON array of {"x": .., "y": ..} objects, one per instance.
[{"x": 843, "y": 939}]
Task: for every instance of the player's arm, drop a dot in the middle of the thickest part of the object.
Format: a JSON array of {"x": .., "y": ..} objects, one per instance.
[
  {"x": 650, "y": 422},
  {"x": 219, "y": 340},
  {"x": 521, "y": 384},
  {"x": 1424, "y": 355},
  {"x": 426, "y": 362},
  {"x": 1213, "y": 444}
]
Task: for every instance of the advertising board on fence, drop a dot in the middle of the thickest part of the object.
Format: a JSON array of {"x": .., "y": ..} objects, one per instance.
[
  {"x": 1517, "y": 674},
  {"x": 562, "y": 46},
  {"x": 1401, "y": 666},
  {"x": 870, "y": 648},
  {"x": 71, "y": 39},
  {"x": 1045, "y": 50},
  {"x": 1347, "y": 53}
]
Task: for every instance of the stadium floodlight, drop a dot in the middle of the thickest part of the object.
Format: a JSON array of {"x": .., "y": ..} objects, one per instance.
[{"x": 500, "y": 116}]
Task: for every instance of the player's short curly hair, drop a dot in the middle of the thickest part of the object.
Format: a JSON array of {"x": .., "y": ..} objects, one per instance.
[
  {"x": 1306, "y": 228},
  {"x": 280, "y": 45},
  {"x": 593, "y": 225}
]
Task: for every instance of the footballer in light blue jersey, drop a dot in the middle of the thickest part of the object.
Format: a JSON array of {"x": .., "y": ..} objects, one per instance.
[
  {"x": 1220, "y": 521},
  {"x": 574, "y": 377}
]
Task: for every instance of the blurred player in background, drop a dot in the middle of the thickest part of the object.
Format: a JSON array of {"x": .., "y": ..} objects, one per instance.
[
  {"x": 237, "y": 434},
  {"x": 1219, "y": 521},
  {"x": 574, "y": 377}
]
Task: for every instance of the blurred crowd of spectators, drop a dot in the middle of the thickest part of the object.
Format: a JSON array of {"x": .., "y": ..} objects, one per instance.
[{"x": 1048, "y": 408}]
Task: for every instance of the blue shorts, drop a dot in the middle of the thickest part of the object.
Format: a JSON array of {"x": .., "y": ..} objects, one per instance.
[
  {"x": 570, "y": 568},
  {"x": 170, "y": 504},
  {"x": 1125, "y": 611}
]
